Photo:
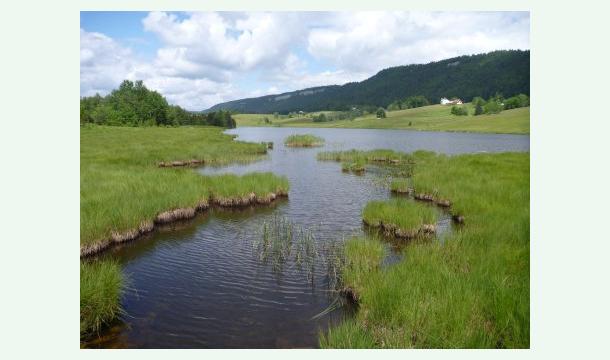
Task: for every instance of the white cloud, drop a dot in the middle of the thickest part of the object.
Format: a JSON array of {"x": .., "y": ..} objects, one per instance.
[
  {"x": 205, "y": 55},
  {"x": 103, "y": 63},
  {"x": 371, "y": 41}
]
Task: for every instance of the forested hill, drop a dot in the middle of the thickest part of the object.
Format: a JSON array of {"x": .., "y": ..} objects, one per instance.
[{"x": 465, "y": 77}]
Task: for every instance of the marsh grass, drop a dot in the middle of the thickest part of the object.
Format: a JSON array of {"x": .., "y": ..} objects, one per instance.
[
  {"x": 306, "y": 140},
  {"x": 472, "y": 291},
  {"x": 401, "y": 215},
  {"x": 400, "y": 185},
  {"x": 357, "y": 166},
  {"x": 124, "y": 192},
  {"x": 101, "y": 285},
  {"x": 284, "y": 245},
  {"x": 122, "y": 186},
  {"x": 381, "y": 156}
]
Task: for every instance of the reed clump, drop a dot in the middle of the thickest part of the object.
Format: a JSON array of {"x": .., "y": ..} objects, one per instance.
[
  {"x": 101, "y": 285},
  {"x": 400, "y": 217},
  {"x": 357, "y": 166},
  {"x": 306, "y": 140}
]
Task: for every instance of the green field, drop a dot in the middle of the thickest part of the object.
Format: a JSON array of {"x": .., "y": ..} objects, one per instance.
[
  {"x": 430, "y": 118},
  {"x": 470, "y": 291}
]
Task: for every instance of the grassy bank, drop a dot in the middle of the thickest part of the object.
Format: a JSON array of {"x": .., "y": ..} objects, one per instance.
[
  {"x": 472, "y": 291},
  {"x": 122, "y": 185},
  {"x": 306, "y": 140},
  {"x": 429, "y": 118},
  {"x": 123, "y": 192}
]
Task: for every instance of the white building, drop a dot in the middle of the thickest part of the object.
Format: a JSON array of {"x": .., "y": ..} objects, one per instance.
[{"x": 453, "y": 101}]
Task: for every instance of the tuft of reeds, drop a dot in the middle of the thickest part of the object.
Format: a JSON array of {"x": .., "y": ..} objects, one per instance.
[
  {"x": 101, "y": 284},
  {"x": 378, "y": 156},
  {"x": 357, "y": 166},
  {"x": 306, "y": 140},
  {"x": 400, "y": 186},
  {"x": 400, "y": 217}
]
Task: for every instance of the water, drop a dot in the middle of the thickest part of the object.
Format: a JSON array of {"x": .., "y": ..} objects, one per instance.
[{"x": 201, "y": 283}]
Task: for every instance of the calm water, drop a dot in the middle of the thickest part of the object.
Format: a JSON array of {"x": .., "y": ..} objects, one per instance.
[{"x": 202, "y": 283}]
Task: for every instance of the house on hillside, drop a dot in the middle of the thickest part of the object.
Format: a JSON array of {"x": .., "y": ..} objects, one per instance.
[{"x": 453, "y": 101}]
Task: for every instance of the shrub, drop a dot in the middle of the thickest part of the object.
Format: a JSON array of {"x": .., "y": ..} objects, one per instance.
[
  {"x": 517, "y": 101},
  {"x": 459, "y": 110},
  {"x": 380, "y": 113}
]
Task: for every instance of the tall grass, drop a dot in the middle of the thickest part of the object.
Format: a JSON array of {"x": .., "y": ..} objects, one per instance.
[
  {"x": 100, "y": 290},
  {"x": 121, "y": 185},
  {"x": 402, "y": 213},
  {"x": 306, "y": 140},
  {"x": 472, "y": 291},
  {"x": 381, "y": 155}
]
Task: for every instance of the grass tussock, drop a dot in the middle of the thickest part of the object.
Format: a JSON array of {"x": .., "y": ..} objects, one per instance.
[
  {"x": 306, "y": 140},
  {"x": 472, "y": 291},
  {"x": 356, "y": 166},
  {"x": 400, "y": 186},
  {"x": 101, "y": 285},
  {"x": 400, "y": 217}
]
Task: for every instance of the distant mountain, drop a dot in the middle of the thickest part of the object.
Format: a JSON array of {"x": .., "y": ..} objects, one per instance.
[{"x": 505, "y": 71}]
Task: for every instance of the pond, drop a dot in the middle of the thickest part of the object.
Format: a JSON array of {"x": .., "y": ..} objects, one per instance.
[{"x": 203, "y": 284}]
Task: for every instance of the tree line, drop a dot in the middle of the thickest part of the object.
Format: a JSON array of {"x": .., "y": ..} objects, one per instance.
[
  {"x": 132, "y": 104},
  {"x": 505, "y": 71}
]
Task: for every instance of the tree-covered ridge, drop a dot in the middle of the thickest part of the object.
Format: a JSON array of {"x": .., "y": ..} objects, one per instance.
[
  {"x": 132, "y": 104},
  {"x": 464, "y": 77}
]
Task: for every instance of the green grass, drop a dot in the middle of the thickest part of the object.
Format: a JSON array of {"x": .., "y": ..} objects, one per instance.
[
  {"x": 405, "y": 214},
  {"x": 357, "y": 165},
  {"x": 429, "y": 118},
  {"x": 122, "y": 186},
  {"x": 399, "y": 185},
  {"x": 471, "y": 291},
  {"x": 306, "y": 140},
  {"x": 381, "y": 155},
  {"x": 100, "y": 290},
  {"x": 282, "y": 120}
]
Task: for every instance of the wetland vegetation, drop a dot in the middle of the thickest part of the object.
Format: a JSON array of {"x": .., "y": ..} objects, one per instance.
[
  {"x": 472, "y": 290},
  {"x": 306, "y": 140},
  {"x": 124, "y": 193}
]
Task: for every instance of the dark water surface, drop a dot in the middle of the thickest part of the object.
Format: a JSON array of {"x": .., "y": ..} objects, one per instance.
[{"x": 202, "y": 283}]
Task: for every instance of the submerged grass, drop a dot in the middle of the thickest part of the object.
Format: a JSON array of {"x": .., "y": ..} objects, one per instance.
[
  {"x": 100, "y": 290},
  {"x": 472, "y": 291},
  {"x": 306, "y": 140}
]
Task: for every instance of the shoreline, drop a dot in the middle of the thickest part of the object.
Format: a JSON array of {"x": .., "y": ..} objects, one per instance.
[{"x": 178, "y": 214}]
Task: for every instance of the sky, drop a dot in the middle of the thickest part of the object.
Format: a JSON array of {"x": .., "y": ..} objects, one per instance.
[{"x": 199, "y": 59}]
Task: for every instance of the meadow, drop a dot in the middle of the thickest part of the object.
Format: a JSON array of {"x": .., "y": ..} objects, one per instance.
[
  {"x": 471, "y": 290},
  {"x": 124, "y": 191},
  {"x": 428, "y": 118}
]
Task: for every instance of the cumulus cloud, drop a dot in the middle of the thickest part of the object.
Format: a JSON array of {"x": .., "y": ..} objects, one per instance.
[
  {"x": 205, "y": 55},
  {"x": 370, "y": 41},
  {"x": 103, "y": 63}
]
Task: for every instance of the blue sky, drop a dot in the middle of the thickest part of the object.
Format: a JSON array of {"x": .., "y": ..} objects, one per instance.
[{"x": 199, "y": 59}]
